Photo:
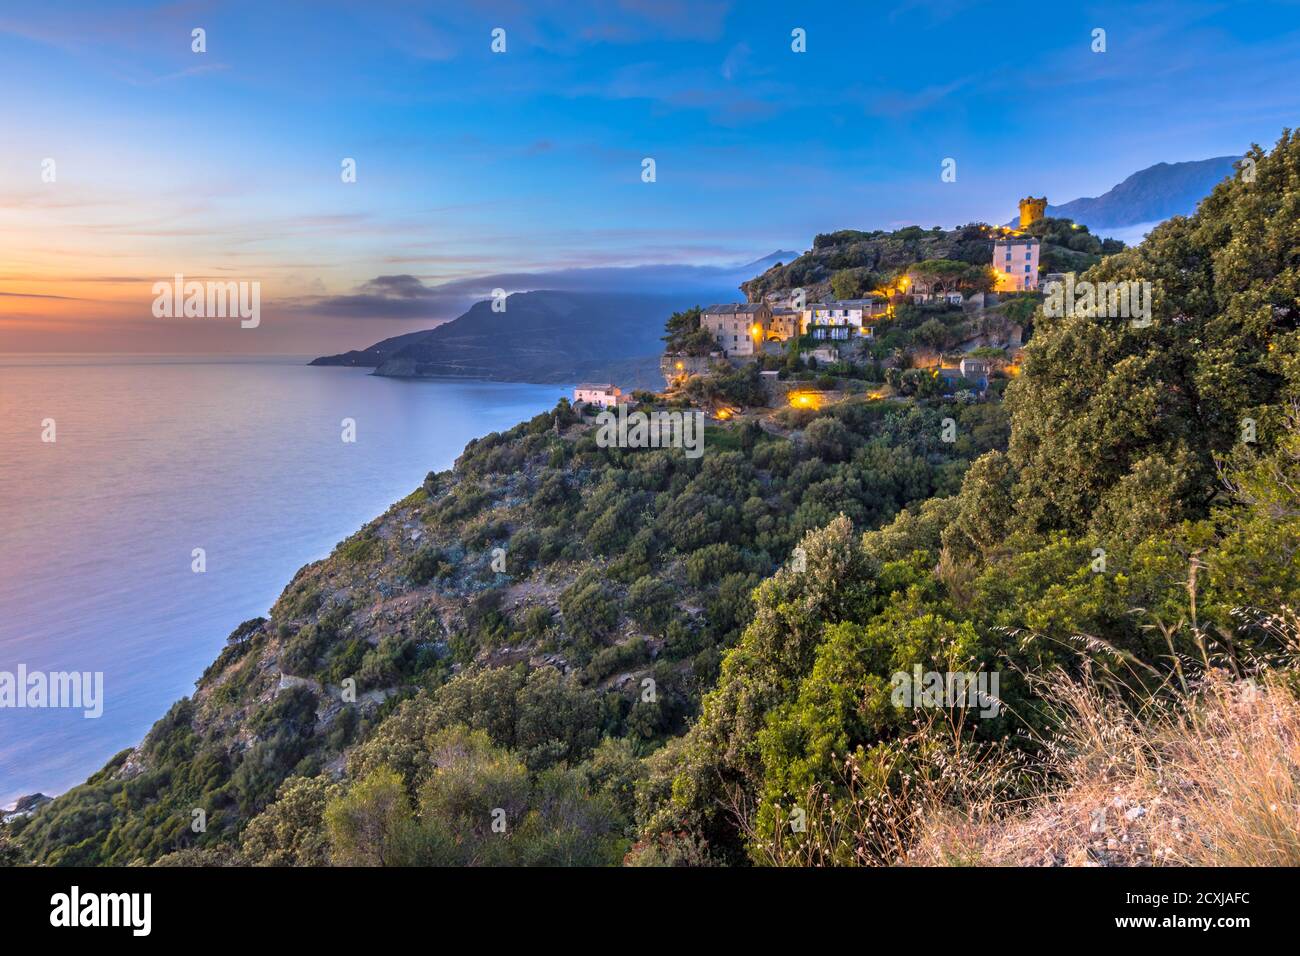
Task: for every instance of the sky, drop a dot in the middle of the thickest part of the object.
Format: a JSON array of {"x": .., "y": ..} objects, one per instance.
[{"x": 126, "y": 157}]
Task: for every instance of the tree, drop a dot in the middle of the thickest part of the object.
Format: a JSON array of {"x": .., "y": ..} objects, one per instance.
[
  {"x": 10, "y": 853},
  {"x": 1103, "y": 399},
  {"x": 854, "y": 283},
  {"x": 828, "y": 439},
  {"x": 291, "y": 831},
  {"x": 792, "y": 609},
  {"x": 933, "y": 333},
  {"x": 367, "y": 824},
  {"x": 984, "y": 509},
  {"x": 684, "y": 334}
]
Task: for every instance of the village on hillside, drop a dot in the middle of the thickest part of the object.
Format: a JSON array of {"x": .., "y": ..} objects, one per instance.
[{"x": 951, "y": 326}]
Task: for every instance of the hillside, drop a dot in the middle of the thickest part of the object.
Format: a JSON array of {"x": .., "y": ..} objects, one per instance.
[
  {"x": 622, "y": 651},
  {"x": 874, "y": 257}
]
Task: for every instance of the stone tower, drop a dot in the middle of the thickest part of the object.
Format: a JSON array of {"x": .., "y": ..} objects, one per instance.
[{"x": 1031, "y": 210}]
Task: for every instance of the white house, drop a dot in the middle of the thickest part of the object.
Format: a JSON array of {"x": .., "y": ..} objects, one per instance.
[
  {"x": 602, "y": 395},
  {"x": 842, "y": 318}
]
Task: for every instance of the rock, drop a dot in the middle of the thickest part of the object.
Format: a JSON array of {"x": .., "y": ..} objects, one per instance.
[
  {"x": 24, "y": 806},
  {"x": 288, "y": 680}
]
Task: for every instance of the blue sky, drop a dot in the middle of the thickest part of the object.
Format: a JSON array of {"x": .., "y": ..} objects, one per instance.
[{"x": 472, "y": 163}]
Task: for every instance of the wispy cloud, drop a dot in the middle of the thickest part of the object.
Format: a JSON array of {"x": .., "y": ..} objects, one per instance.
[{"x": 406, "y": 296}]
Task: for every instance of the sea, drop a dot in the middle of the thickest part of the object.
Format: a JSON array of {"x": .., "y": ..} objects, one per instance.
[{"x": 115, "y": 471}]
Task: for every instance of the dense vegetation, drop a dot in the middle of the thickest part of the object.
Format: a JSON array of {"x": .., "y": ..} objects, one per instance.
[
  {"x": 850, "y": 263},
  {"x": 622, "y": 567},
  {"x": 1105, "y": 528},
  {"x": 682, "y": 655}
]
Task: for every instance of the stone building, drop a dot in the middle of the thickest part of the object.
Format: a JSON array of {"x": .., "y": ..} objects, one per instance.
[{"x": 739, "y": 328}]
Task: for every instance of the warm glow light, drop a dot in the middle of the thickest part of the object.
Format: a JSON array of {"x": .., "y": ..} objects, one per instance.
[
  {"x": 806, "y": 399},
  {"x": 757, "y": 330}
]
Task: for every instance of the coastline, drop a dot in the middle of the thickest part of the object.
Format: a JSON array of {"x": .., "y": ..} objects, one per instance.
[{"x": 253, "y": 493}]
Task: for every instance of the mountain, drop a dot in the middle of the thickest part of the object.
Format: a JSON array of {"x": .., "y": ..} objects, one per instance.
[
  {"x": 606, "y": 325},
  {"x": 543, "y": 336},
  {"x": 373, "y": 356},
  {"x": 1149, "y": 195}
]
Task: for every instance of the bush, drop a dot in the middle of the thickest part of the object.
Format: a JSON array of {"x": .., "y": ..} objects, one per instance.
[
  {"x": 427, "y": 564},
  {"x": 590, "y": 610}
]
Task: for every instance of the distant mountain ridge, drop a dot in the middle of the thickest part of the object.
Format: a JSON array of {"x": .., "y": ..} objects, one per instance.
[
  {"x": 610, "y": 331},
  {"x": 1149, "y": 195},
  {"x": 544, "y": 336}
]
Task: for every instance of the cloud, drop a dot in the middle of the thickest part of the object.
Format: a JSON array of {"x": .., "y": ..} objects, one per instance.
[
  {"x": 899, "y": 103},
  {"x": 735, "y": 61},
  {"x": 35, "y": 295},
  {"x": 408, "y": 297},
  {"x": 383, "y": 297}
]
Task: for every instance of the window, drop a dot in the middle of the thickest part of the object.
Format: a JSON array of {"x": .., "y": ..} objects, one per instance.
[{"x": 1026, "y": 267}]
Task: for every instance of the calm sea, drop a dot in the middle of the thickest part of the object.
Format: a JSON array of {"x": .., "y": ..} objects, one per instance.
[{"x": 154, "y": 458}]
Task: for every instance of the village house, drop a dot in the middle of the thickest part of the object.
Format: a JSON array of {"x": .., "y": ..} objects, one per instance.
[
  {"x": 939, "y": 287},
  {"x": 951, "y": 298},
  {"x": 605, "y": 396},
  {"x": 976, "y": 371},
  {"x": 786, "y": 323},
  {"x": 973, "y": 370},
  {"x": 739, "y": 328},
  {"x": 843, "y": 318},
  {"x": 1015, "y": 260}
]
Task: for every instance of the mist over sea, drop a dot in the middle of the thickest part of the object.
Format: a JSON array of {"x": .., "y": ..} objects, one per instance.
[{"x": 156, "y": 457}]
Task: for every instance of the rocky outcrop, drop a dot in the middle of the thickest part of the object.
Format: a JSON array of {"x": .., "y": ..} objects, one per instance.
[{"x": 24, "y": 805}]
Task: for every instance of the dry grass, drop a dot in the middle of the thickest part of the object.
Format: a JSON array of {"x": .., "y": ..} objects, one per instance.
[
  {"x": 1211, "y": 779},
  {"x": 1205, "y": 771},
  {"x": 1205, "y": 776}
]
